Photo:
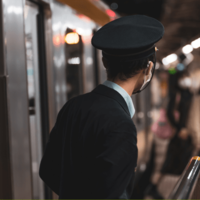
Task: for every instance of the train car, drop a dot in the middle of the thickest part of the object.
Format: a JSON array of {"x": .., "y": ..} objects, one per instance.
[{"x": 48, "y": 59}]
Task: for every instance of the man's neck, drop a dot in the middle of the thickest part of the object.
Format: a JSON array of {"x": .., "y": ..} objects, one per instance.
[{"x": 127, "y": 85}]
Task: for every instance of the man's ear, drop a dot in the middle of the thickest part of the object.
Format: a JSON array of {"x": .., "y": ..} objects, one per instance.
[{"x": 149, "y": 68}]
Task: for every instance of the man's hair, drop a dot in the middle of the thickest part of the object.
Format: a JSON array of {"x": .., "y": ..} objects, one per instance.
[{"x": 125, "y": 70}]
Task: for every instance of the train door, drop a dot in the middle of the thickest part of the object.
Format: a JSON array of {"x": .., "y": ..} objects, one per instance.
[
  {"x": 74, "y": 63},
  {"x": 38, "y": 105}
]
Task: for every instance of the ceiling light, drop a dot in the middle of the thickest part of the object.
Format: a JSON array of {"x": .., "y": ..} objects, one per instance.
[
  {"x": 172, "y": 71},
  {"x": 169, "y": 59},
  {"x": 74, "y": 61},
  {"x": 180, "y": 67},
  {"x": 187, "y": 49},
  {"x": 196, "y": 43},
  {"x": 110, "y": 13},
  {"x": 72, "y": 38}
]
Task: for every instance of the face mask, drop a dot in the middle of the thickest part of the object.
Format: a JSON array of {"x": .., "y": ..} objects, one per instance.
[{"x": 147, "y": 78}]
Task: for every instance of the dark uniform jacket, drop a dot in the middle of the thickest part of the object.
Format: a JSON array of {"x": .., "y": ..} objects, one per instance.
[{"x": 91, "y": 152}]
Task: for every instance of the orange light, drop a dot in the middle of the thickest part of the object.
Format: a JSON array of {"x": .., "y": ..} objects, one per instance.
[
  {"x": 72, "y": 38},
  {"x": 110, "y": 13},
  {"x": 63, "y": 39},
  {"x": 86, "y": 39},
  {"x": 156, "y": 49},
  {"x": 56, "y": 40},
  {"x": 84, "y": 18}
]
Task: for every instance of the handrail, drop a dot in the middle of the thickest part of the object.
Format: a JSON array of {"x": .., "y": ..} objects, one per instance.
[{"x": 187, "y": 182}]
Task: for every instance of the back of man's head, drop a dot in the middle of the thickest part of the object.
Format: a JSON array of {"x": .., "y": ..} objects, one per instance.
[{"x": 125, "y": 70}]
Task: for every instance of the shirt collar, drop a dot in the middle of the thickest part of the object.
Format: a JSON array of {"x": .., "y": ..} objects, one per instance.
[{"x": 123, "y": 93}]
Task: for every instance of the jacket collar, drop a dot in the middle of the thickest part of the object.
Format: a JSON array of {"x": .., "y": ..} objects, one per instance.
[{"x": 111, "y": 93}]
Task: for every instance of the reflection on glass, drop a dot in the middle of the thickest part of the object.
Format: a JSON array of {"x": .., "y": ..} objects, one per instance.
[
  {"x": 74, "y": 52},
  {"x": 31, "y": 39}
]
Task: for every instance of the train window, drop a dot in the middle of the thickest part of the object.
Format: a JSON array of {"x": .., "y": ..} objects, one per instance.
[
  {"x": 33, "y": 80},
  {"x": 74, "y": 72}
]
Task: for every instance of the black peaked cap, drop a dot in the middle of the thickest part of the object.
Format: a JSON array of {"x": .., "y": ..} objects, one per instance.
[{"x": 134, "y": 36}]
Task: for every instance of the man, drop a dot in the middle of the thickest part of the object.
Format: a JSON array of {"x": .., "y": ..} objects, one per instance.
[{"x": 92, "y": 151}]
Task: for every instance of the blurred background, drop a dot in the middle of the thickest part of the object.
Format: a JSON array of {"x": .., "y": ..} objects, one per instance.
[{"x": 46, "y": 58}]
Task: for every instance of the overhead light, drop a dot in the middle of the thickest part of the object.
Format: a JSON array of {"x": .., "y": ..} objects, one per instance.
[
  {"x": 84, "y": 18},
  {"x": 56, "y": 26},
  {"x": 169, "y": 59},
  {"x": 72, "y": 38},
  {"x": 196, "y": 43},
  {"x": 84, "y": 32},
  {"x": 110, "y": 13},
  {"x": 14, "y": 9},
  {"x": 180, "y": 67},
  {"x": 56, "y": 40},
  {"x": 89, "y": 61},
  {"x": 187, "y": 49},
  {"x": 172, "y": 71},
  {"x": 74, "y": 61}
]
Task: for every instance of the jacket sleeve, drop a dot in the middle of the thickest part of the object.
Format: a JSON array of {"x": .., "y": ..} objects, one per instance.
[
  {"x": 50, "y": 167},
  {"x": 115, "y": 165}
]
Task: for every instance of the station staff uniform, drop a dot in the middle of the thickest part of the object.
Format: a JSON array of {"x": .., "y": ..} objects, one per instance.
[
  {"x": 92, "y": 149},
  {"x": 124, "y": 94}
]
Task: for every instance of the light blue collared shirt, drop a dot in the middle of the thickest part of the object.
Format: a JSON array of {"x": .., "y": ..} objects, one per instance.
[{"x": 123, "y": 93}]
